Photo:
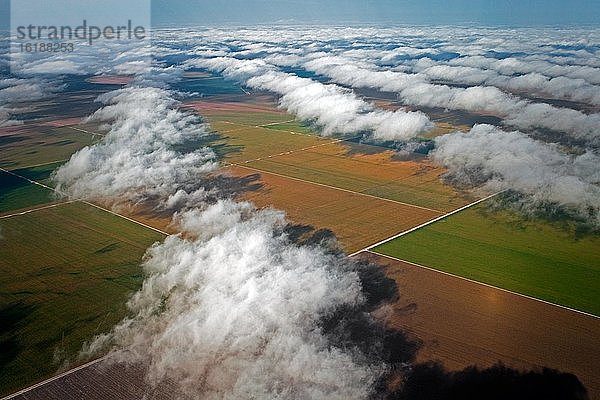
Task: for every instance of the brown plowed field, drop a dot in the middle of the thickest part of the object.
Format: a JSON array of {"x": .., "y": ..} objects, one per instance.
[
  {"x": 101, "y": 381},
  {"x": 464, "y": 323}
]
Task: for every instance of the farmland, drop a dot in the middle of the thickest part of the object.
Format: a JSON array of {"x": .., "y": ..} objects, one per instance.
[
  {"x": 16, "y": 193},
  {"x": 34, "y": 144},
  {"x": 250, "y": 130},
  {"x": 503, "y": 249},
  {"x": 335, "y": 179},
  {"x": 355, "y": 225},
  {"x": 254, "y": 142},
  {"x": 499, "y": 248},
  {"x": 463, "y": 323},
  {"x": 67, "y": 271},
  {"x": 343, "y": 165},
  {"x": 66, "y": 274}
]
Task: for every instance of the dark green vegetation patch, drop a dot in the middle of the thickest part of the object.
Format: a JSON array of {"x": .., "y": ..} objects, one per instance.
[{"x": 17, "y": 193}]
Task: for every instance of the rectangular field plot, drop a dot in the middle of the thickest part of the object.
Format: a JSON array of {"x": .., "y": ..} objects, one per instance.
[
  {"x": 251, "y": 111},
  {"x": 291, "y": 126},
  {"x": 37, "y": 144},
  {"x": 66, "y": 273},
  {"x": 362, "y": 168},
  {"x": 356, "y": 220},
  {"x": 505, "y": 250},
  {"x": 370, "y": 170}
]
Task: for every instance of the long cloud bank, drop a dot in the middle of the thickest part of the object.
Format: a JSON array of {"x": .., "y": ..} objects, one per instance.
[
  {"x": 360, "y": 58},
  {"x": 414, "y": 89},
  {"x": 331, "y": 108},
  {"x": 406, "y": 60}
]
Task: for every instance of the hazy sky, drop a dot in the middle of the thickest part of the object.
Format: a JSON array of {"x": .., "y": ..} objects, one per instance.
[{"x": 483, "y": 12}]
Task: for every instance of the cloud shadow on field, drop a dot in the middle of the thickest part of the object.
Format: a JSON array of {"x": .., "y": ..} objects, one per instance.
[
  {"x": 215, "y": 141},
  {"x": 431, "y": 381},
  {"x": 11, "y": 316},
  {"x": 553, "y": 213},
  {"x": 308, "y": 235},
  {"x": 216, "y": 186}
]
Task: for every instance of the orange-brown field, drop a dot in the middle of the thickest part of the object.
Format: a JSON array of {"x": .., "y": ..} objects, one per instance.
[
  {"x": 357, "y": 220},
  {"x": 357, "y": 168},
  {"x": 111, "y": 79},
  {"x": 260, "y": 104},
  {"x": 463, "y": 323}
]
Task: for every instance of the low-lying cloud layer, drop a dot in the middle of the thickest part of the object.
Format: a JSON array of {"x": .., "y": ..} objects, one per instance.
[
  {"x": 471, "y": 70},
  {"x": 139, "y": 156},
  {"x": 236, "y": 313},
  {"x": 415, "y": 89},
  {"x": 330, "y": 107},
  {"x": 15, "y": 93},
  {"x": 512, "y": 160},
  {"x": 444, "y": 68},
  {"x": 234, "y": 308}
]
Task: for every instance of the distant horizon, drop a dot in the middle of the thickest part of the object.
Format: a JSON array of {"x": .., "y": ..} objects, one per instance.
[
  {"x": 479, "y": 13},
  {"x": 342, "y": 24},
  {"x": 526, "y": 13}
]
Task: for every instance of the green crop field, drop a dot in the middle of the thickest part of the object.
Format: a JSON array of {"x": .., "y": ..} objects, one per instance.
[
  {"x": 535, "y": 258},
  {"x": 17, "y": 193},
  {"x": 66, "y": 273}
]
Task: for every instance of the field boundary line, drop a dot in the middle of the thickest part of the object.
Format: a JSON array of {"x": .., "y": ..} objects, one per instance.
[
  {"x": 61, "y": 375},
  {"x": 39, "y": 165},
  {"x": 124, "y": 217},
  {"x": 284, "y": 153},
  {"x": 83, "y": 130},
  {"x": 88, "y": 203},
  {"x": 275, "y": 123},
  {"x": 434, "y": 220},
  {"x": 29, "y": 180},
  {"x": 332, "y": 187},
  {"x": 485, "y": 284},
  {"x": 31, "y": 210}
]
